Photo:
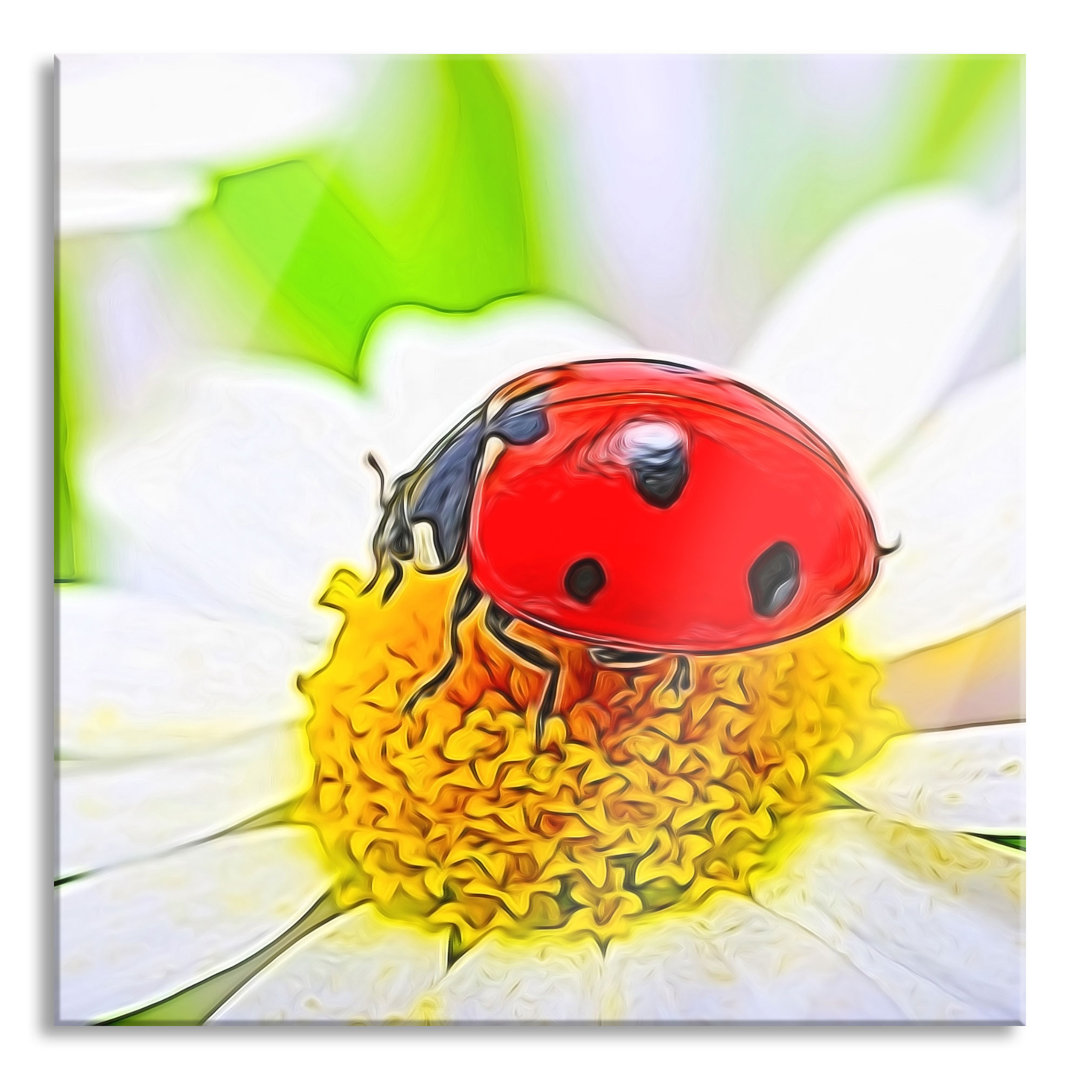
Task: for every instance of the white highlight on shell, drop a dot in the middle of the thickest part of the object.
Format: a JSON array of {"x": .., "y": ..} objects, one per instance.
[{"x": 630, "y": 441}]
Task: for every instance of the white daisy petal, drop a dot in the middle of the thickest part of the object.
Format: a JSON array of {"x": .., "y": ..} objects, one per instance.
[
  {"x": 198, "y": 107},
  {"x": 974, "y": 679},
  {"x": 964, "y": 780},
  {"x": 136, "y": 934},
  {"x": 428, "y": 369},
  {"x": 243, "y": 480},
  {"x": 358, "y": 967},
  {"x": 954, "y": 495},
  {"x": 95, "y": 199},
  {"x": 241, "y": 483},
  {"x": 936, "y": 920},
  {"x": 501, "y": 979},
  {"x": 119, "y": 811},
  {"x": 139, "y": 135},
  {"x": 868, "y": 337},
  {"x": 143, "y": 676},
  {"x": 735, "y": 961}
]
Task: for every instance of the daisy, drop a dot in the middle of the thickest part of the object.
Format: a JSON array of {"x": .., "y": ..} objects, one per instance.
[
  {"x": 142, "y": 137},
  {"x": 201, "y": 836}
]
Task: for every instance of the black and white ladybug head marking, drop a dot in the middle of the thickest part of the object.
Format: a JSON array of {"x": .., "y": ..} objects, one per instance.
[{"x": 437, "y": 494}]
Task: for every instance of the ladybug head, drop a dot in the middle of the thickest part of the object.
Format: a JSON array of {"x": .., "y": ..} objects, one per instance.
[{"x": 426, "y": 515}]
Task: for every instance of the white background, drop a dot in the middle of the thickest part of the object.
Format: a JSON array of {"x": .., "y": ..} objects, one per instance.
[{"x": 34, "y": 32}]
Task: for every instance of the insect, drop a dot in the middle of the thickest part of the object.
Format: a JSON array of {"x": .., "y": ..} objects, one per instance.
[{"x": 644, "y": 507}]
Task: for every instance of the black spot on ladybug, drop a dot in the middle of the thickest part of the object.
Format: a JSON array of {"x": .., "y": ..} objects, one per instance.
[
  {"x": 773, "y": 579},
  {"x": 655, "y": 453},
  {"x": 660, "y": 476},
  {"x": 584, "y": 579}
]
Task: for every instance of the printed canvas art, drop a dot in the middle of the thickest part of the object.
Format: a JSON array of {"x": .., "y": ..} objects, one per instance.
[{"x": 539, "y": 539}]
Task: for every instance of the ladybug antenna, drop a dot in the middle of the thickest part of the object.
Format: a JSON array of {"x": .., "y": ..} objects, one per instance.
[
  {"x": 378, "y": 544},
  {"x": 373, "y": 461},
  {"x": 895, "y": 546}
]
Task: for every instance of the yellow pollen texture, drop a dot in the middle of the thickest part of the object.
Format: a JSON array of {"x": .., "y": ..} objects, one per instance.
[{"x": 642, "y": 797}]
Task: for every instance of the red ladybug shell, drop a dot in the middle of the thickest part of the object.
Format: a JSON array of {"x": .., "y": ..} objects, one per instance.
[{"x": 747, "y": 531}]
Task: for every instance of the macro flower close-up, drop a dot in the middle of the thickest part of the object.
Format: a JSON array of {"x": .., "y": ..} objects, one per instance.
[{"x": 305, "y": 771}]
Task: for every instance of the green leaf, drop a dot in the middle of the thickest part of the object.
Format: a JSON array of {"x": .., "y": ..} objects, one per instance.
[
  {"x": 1018, "y": 842},
  {"x": 334, "y": 253},
  {"x": 325, "y": 270}
]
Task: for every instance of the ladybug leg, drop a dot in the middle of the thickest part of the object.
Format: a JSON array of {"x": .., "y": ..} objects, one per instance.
[
  {"x": 466, "y": 600},
  {"x": 396, "y": 577},
  {"x": 498, "y": 623},
  {"x": 681, "y": 680},
  {"x": 622, "y": 658}
]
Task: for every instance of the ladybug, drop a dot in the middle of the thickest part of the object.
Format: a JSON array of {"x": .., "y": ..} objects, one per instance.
[{"x": 644, "y": 507}]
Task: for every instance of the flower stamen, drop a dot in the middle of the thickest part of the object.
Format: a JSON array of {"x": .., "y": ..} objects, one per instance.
[{"x": 647, "y": 793}]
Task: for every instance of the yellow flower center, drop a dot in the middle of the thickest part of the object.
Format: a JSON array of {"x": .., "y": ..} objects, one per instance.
[{"x": 643, "y": 796}]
